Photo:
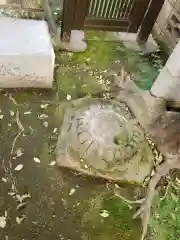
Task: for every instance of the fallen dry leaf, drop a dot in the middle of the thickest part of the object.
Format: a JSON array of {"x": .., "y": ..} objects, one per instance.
[
  {"x": 20, "y": 219},
  {"x": 177, "y": 181},
  {"x": 27, "y": 113},
  {"x": 18, "y": 167},
  {"x": 19, "y": 152},
  {"x": 21, "y": 198},
  {"x": 37, "y": 160},
  {"x": 4, "y": 180},
  {"x": 55, "y": 130},
  {"x": 43, "y": 106},
  {"x": 52, "y": 163},
  {"x": 2, "y": 222},
  {"x": 12, "y": 113},
  {"x": 104, "y": 214},
  {"x": 43, "y": 116},
  {"x": 72, "y": 191},
  {"x": 68, "y": 97},
  {"x": 1, "y": 117},
  {"x": 45, "y": 124},
  {"x": 11, "y": 193},
  {"x": 21, "y": 206}
]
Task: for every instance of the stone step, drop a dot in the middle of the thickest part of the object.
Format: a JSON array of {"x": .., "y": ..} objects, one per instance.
[{"x": 26, "y": 54}]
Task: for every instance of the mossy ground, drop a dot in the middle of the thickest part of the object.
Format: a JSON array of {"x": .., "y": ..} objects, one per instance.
[{"x": 52, "y": 212}]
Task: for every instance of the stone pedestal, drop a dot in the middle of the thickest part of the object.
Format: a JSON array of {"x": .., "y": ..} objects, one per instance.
[
  {"x": 77, "y": 41},
  {"x": 26, "y": 54},
  {"x": 167, "y": 84},
  {"x": 130, "y": 41}
]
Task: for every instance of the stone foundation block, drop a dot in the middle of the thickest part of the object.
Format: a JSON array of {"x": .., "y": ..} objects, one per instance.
[{"x": 26, "y": 54}]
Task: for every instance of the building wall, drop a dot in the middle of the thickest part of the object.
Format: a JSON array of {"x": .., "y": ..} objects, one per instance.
[{"x": 167, "y": 26}]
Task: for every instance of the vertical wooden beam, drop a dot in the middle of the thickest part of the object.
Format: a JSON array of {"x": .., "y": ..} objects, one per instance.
[
  {"x": 139, "y": 10},
  {"x": 67, "y": 19},
  {"x": 80, "y": 14},
  {"x": 149, "y": 20}
]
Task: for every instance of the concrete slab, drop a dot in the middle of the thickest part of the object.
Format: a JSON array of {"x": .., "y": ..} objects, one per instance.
[
  {"x": 129, "y": 40},
  {"x": 3, "y": 2},
  {"x": 167, "y": 86},
  {"x": 26, "y": 54}
]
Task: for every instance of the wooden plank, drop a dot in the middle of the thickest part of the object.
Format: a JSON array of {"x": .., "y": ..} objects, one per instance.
[
  {"x": 67, "y": 19},
  {"x": 149, "y": 20},
  {"x": 138, "y": 13},
  {"x": 106, "y": 24}
]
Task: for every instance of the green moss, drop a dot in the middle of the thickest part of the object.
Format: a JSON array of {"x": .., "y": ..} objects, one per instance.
[
  {"x": 99, "y": 54},
  {"x": 165, "y": 222},
  {"x": 142, "y": 67},
  {"x": 85, "y": 73},
  {"x": 76, "y": 83},
  {"x": 118, "y": 225},
  {"x": 78, "y": 73}
]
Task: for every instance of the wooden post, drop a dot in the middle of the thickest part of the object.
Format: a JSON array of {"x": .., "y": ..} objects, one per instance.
[
  {"x": 67, "y": 19},
  {"x": 140, "y": 7},
  {"x": 81, "y": 9},
  {"x": 149, "y": 20}
]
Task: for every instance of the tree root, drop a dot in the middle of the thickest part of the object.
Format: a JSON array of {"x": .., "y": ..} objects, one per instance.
[
  {"x": 145, "y": 209},
  {"x": 138, "y": 201},
  {"x": 21, "y": 130},
  {"x": 18, "y": 122}
]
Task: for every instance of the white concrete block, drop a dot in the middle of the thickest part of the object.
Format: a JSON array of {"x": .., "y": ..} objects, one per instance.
[
  {"x": 26, "y": 54},
  {"x": 3, "y": 2},
  {"x": 173, "y": 63},
  {"x": 167, "y": 86}
]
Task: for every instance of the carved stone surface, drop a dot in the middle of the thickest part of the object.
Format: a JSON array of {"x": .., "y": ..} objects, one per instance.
[{"x": 102, "y": 138}]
